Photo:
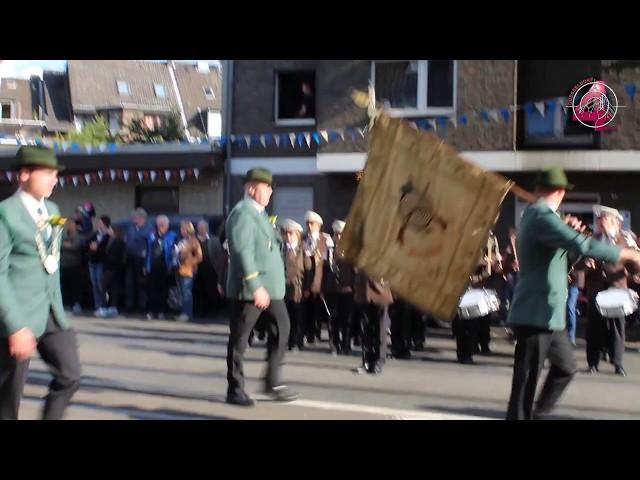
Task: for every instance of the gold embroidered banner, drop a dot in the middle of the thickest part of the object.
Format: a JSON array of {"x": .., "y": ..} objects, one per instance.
[{"x": 421, "y": 216}]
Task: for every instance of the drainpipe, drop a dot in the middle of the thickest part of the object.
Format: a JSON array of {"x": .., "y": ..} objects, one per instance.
[
  {"x": 174, "y": 82},
  {"x": 227, "y": 97}
]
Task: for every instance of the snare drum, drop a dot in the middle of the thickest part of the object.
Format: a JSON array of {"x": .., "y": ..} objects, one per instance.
[
  {"x": 617, "y": 302},
  {"x": 477, "y": 303}
]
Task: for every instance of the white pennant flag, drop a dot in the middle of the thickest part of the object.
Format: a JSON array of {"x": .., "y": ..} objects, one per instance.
[
  {"x": 454, "y": 122},
  {"x": 540, "y": 107},
  {"x": 87, "y": 178},
  {"x": 413, "y": 125},
  {"x": 89, "y": 148},
  {"x": 341, "y": 134},
  {"x": 153, "y": 175},
  {"x": 102, "y": 147},
  {"x": 292, "y": 139},
  {"x": 167, "y": 175},
  {"x": 75, "y": 181},
  {"x": 493, "y": 114},
  {"x": 247, "y": 139},
  {"x": 61, "y": 181},
  {"x": 100, "y": 175},
  {"x": 263, "y": 141},
  {"x": 140, "y": 176},
  {"x": 324, "y": 134},
  {"x": 125, "y": 174},
  {"x": 10, "y": 176},
  {"x": 113, "y": 175},
  {"x": 233, "y": 138},
  {"x": 196, "y": 173},
  {"x": 276, "y": 139},
  {"x": 432, "y": 122},
  {"x": 182, "y": 174},
  {"x": 364, "y": 129},
  {"x": 307, "y": 137}
]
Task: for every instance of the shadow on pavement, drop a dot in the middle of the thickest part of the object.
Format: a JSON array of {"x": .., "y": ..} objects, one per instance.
[{"x": 137, "y": 413}]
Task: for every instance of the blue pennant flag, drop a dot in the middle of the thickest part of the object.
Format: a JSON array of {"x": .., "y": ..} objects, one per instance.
[
  {"x": 222, "y": 142},
  {"x": 284, "y": 140},
  {"x": 351, "y": 132},
  {"x": 333, "y": 136},
  {"x": 300, "y": 139},
  {"x": 442, "y": 122},
  {"x": 463, "y": 119},
  {"x": 484, "y": 115},
  {"x": 112, "y": 147},
  {"x": 255, "y": 139},
  {"x": 75, "y": 147},
  {"x": 530, "y": 108},
  {"x": 630, "y": 88},
  {"x": 56, "y": 147},
  {"x": 316, "y": 137},
  {"x": 551, "y": 105},
  {"x": 268, "y": 138},
  {"x": 39, "y": 141},
  {"x": 505, "y": 114},
  {"x": 422, "y": 124}
]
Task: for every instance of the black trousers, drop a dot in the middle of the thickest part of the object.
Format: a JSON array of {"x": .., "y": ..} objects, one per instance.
[
  {"x": 465, "y": 331},
  {"x": 206, "y": 299},
  {"x": 418, "y": 328},
  {"x": 341, "y": 307},
  {"x": 244, "y": 316},
  {"x": 135, "y": 284},
  {"x": 296, "y": 317},
  {"x": 112, "y": 284},
  {"x": 483, "y": 338},
  {"x": 315, "y": 312},
  {"x": 533, "y": 346},
  {"x": 59, "y": 351},
  {"x": 374, "y": 335},
  {"x": 604, "y": 333},
  {"x": 401, "y": 328},
  {"x": 159, "y": 282},
  {"x": 71, "y": 283}
]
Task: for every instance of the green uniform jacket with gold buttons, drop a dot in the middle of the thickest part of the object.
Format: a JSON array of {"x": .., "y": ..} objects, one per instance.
[
  {"x": 27, "y": 292},
  {"x": 544, "y": 240},
  {"x": 255, "y": 254}
]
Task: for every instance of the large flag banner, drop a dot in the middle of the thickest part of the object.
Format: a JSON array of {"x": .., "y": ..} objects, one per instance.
[{"x": 421, "y": 216}]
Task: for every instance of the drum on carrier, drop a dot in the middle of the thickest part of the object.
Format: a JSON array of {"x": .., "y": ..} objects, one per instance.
[
  {"x": 478, "y": 303},
  {"x": 617, "y": 302}
]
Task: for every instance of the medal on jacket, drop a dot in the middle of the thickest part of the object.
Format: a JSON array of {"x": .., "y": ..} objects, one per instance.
[{"x": 51, "y": 264}]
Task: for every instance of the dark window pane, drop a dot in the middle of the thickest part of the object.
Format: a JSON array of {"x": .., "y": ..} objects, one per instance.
[
  {"x": 440, "y": 83},
  {"x": 158, "y": 199}
]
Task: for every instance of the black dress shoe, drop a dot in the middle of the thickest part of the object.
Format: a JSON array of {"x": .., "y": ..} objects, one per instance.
[
  {"x": 467, "y": 361},
  {"x": 242, "y": 400},
  {"x": 621, "y": 371},
  {"x": 281, "y": 393},
  {"x": 593, "y": 370}
]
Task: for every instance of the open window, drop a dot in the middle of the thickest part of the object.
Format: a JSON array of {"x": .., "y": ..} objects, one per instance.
[
  {"x": 295, "y": 98},
  {"x": 416, "y": 87}
]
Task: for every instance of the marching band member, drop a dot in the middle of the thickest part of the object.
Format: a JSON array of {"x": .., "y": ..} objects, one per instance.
[
  {"x": 607, "y": 332},
  {"x": 316, "y": 250}
]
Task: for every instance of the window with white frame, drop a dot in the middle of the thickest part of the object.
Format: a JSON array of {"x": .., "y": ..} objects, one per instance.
[
  {"x": 416, "y": 87},
  {"x": 554, "y": 127},
  {"x": 12, "y": 85},
  {"x": 159, "y": 90},
  {"x": 209, "y": 94},
  {"x": 295, "y": 98},
  {"x": 123, "y": 87}
]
